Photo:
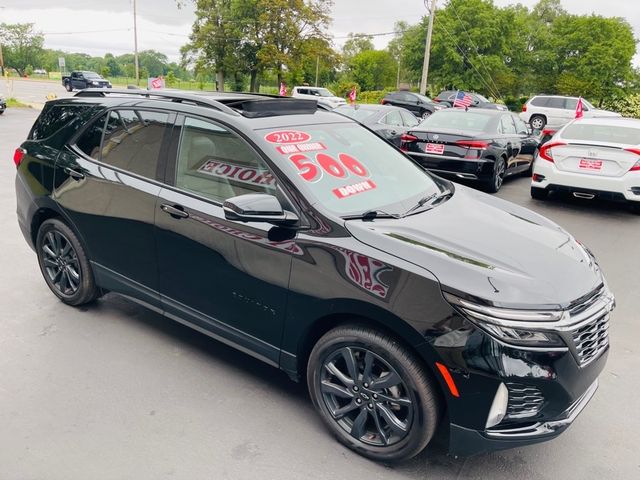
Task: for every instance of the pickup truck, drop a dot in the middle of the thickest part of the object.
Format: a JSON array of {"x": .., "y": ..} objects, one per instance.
[{"x": 82, "y": 79}]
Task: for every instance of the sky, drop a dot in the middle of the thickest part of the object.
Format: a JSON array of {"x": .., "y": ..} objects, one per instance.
[{"x": 97, "y": 26}]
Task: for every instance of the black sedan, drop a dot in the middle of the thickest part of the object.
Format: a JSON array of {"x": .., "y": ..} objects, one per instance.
[
  {"x": 481, "y": 145},
  {"x": 448, "y": 97},
  {"x": 390, "y": 123},
  {"x": 419, "y": 105}
]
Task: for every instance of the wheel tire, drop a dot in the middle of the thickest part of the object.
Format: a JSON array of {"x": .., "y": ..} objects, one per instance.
[
  {"x": 425, "y": 114},
  {"x": 529, "y": 171},
  {"x": 539, "y": 193},
  {"x": 68, "y": 87},
  {"x": 497, "y": 177},
  {"x": 420, "y": 417},
  {"x": 537, "y": 122},
  {"x": 54, "y": 239}
]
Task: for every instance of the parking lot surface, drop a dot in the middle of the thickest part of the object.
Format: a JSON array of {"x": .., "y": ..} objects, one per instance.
[{"x": 116, "y": 391}]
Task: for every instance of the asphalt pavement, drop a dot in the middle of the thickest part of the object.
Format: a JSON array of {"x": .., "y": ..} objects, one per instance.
[{"x": 115, "y": 391}]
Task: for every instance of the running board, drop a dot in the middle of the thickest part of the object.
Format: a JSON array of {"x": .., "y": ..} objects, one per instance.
[{"x": 588, "y": 196}]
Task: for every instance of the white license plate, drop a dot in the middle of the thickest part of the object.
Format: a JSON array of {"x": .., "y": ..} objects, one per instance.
[
  {"x": 590, "y": 164},
  {"x": 434, "y": 148}
]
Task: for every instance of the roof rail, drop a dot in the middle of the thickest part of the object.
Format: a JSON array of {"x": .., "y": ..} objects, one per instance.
[{"x": 153, "y": 94}]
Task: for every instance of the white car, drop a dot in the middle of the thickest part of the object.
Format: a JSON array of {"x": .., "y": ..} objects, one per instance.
[
  {"x": 322, "y": 95},
  {"x": 556, "y": 111},
  {"x": 591, "y": 157}
]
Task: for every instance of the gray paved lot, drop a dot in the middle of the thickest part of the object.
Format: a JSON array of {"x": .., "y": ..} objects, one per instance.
[{"x": 114, "y": 391}]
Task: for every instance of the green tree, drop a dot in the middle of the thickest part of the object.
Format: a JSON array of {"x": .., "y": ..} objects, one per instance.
[
  {"x": 373, "y": 69},
  {"x": 355, "y": 44},
  {"x": 22, "y": 46}
]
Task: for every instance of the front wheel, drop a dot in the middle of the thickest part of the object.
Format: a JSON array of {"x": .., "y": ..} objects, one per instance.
[
  {"x": 425, "y": 114},
  {"x": 64, "y": 264},
  {"x": 372, "y": 393},
  {"x": 539, "y": 193},
  {"x": 68, "y": 87}
]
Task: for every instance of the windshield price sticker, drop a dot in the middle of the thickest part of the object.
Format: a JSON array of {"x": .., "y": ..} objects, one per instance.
[
  {"x": 300, "y": 147},
  {"x": 350, "y": 190},
  {"x": 287, "y": 136},
  {"x": 312, "y": 170},
  {"x": 238, "y": 173}
]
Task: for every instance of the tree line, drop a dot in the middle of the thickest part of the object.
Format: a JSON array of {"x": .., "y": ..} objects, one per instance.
[{"x": 502, "y": 52}]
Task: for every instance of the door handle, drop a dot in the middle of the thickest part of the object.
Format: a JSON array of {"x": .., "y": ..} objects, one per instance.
[
  {"x": 393, "y": 132},
  {"x": 74, "y": 173},
  {"x": 176, "y": 211}
]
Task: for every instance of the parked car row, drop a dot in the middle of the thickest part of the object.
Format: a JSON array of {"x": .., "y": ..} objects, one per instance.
[{"x": 405, "y": 301}]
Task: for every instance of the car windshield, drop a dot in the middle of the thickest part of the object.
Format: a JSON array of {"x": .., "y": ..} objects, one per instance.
[
  {"x": 424, "y": 98},
  {"x": 456, "y": 119},
  {"x": 92, "y": 75},
  {"x": 323, "y": 92},
  {"x": 481, "y": 98},
  {"x": 602, "y": 133},
  {"x": 347, "y": 169},
  {"x": 588, "y": 105},
  {"x": 355, "y": 112}
]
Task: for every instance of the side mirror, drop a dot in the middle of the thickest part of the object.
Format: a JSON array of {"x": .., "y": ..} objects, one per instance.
[{"x": 258, "y": 207}]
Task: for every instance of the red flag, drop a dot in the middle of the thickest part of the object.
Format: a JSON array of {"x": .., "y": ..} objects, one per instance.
[
  {"x": 283, "y": 89},
  {"x": 352, "y": 95},
  {"x": 579, "y": 108}
]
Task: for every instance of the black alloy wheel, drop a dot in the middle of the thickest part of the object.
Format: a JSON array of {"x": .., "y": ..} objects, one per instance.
[
  {"x": 372, "y": 393},
  {"x": 64, "y": 264},
  {"x": 497, "y": 178}
]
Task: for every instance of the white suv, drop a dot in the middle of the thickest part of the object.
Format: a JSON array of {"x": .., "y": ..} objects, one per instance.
[
  {"x": 555, "y": 111},
  {"x": 322, "y": 95}
]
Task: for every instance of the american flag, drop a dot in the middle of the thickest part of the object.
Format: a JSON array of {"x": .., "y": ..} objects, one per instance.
[{"x": 462, "y": 100}]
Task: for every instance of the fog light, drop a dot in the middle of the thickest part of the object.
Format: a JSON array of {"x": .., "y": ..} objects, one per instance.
[
  {"x": 536, "y": 177},
  {"x": 499, "y": 406}
]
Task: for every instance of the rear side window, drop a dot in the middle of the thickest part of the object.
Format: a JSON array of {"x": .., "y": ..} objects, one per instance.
[
  {"x": 53, "y": 118},
  {"x": 506, "y": 125},
  {"x": 409, "y": 119},
  {"x": 602, "y": 133},
  {"x": 89, "y": 141},
  {"x": 540, "y": 101},
  {"x": 392, "y": 118},
  {"x": 133, "y": 140}
]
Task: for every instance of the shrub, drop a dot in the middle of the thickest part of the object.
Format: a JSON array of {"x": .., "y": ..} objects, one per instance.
[
  {"x": 373, "y": 96},
  {"x": 628, "y": 106}
]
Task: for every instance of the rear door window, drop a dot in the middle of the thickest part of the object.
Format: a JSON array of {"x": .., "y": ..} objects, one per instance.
[
  {"x": 133, "y": 140},
  {"x": 89, "y": 141}
]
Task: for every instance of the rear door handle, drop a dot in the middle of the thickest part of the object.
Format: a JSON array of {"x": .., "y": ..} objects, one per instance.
[
  {"x": 176, "y": 211},
  {"x": 76, "y": 175}
]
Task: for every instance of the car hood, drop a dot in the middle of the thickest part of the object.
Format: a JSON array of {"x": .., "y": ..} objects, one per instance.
[
  {"x": 489, "y": 248},
  {"x": 604, "y": 113}
]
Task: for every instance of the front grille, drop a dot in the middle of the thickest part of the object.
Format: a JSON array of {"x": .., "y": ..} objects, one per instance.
[
  {"x": 524, "y": 401},
  {"x": 592, "y": 339},
  {"x": 591, "y": 312}
]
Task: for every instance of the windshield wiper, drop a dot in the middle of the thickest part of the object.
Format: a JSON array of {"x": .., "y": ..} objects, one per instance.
[
  {"x": 433, "y": 198},
  {"x": 371, "y": 214}
]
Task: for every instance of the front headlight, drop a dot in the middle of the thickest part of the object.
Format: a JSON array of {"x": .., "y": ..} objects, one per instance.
[{"x": 525, "y": 328}]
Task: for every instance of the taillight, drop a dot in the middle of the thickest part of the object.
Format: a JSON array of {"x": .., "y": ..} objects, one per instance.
[
  {"x": 408, "y": 138},
  {"x": 548, "y": 131},
  {"x": 383, "y": 102},
  {"x": 18, "y": 155},
  {"x": 636, "y": 166},
  {"x": 524, "y": 107},
  {"x": 477, "y": 144},
  {"x": 545, "y": 150}
]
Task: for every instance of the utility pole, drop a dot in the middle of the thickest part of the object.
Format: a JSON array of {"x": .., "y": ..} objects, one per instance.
[
  {"x": 317, "y": 68},
  {"x": 427, "y": 50},
  {"x": 135, "y": 44}
]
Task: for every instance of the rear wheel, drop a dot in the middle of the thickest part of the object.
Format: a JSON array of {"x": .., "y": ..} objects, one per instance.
[
  {"x": 497, "y": 177},
  {"x": 372, "y": 393},
  {"x": 537, "y": 122},
  {"x": 425, "y": 114},
  {"x": 539, "y": 193},
  {"x": 64, "y": 264}
]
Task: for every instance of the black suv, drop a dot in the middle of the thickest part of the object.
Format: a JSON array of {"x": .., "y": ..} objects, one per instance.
[
  {"x": 417, "y": 104},
  {"x": 405, "y": 301},
  {"x": 448, "y": 97}
]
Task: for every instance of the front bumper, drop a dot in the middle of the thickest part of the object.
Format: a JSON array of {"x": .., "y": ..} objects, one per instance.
[
  {"x": 624, "y": 188},
  {"x": 466, "y": 442}
]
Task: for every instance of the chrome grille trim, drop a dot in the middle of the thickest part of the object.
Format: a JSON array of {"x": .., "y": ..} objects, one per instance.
[
  {"x": 525, "y": 401},
  {"x": 591, "y": 339}
]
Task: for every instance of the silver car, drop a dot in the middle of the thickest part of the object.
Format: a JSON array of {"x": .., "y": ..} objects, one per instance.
[{"x": 556, "y": 111}]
